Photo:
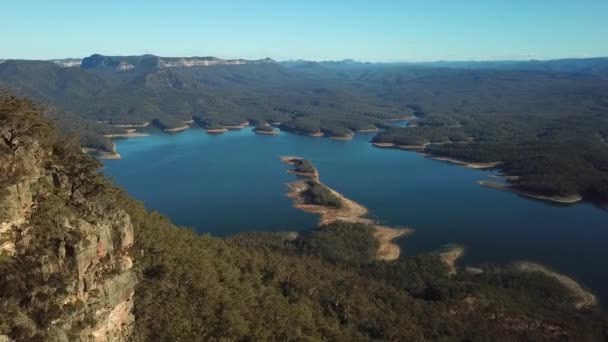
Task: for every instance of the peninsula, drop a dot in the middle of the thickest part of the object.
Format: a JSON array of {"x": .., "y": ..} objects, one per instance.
[
  {"x": 333, "y": 206},
  {"x": 584, "y": 298}
]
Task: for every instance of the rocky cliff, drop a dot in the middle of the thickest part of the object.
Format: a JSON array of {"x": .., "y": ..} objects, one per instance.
[
  {"x": 123, "y": 63},
  {"x": 65, "y": 266}
]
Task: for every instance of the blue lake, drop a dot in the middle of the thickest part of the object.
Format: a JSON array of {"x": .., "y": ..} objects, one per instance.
[{"x": 235, "y": 182}]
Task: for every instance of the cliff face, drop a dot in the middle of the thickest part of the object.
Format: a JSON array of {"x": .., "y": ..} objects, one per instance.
[
  {"x": 65, "y": 269},
  {"x": 123, "y": 63}
]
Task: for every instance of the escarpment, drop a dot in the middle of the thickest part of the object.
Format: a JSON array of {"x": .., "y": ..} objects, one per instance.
[{"x": 65, "y": 266}]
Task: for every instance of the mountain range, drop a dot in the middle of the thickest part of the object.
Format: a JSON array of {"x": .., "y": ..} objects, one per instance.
[{"x": 476, "y": 111}]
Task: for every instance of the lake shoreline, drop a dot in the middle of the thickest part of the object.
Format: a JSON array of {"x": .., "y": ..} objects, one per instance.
[
  {"x": 342, "y": 137},
  {"x": 351, "y": 178},
  {"x": 350, "y": 211},
  {"x": 145, "y": 124},
  {"x": 259, "y": 131},
  {"x": 368, "y": 130},
  {"x": 585, "y": 298},
  {"x": 450, "y": 256},
  {"x": 126, "y": 135},
  {"x": 237, "y": 127},
  {"x": 176, "y": 129},
  {"x": 102, "y": 154},
  {"x": 469, "y": 165},
  {"x": 572, "y": 199},
  {"x": 216, "y": 130},
  {"x": 413, "y": 148},
  {"x": 420, "y": 150}
]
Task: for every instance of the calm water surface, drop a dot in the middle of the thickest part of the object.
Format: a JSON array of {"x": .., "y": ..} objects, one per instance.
[{"x": 235, "y": 182}]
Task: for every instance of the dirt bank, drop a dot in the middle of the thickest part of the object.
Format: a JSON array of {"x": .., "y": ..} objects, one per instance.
[
  {"x": 216, "y": 130},
  {"x": 450, "y": 256},
  {"x": 584, "y": 298},
  {"x": 557, "y": 199},
  {"x": 176, "y": 129}
]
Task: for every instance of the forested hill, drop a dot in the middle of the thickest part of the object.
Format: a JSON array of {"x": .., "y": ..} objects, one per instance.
[
  {"x": 588, "y": 66},
  {"x": 80, "y": 260},
  {"x": 336, "y": 98},
  {"x": 546, "y": 122}
]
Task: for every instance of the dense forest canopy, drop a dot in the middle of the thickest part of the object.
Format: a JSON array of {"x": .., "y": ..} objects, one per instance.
[
  {"x": 547, "y": 122},
  {"x": 322, "y": 285}
]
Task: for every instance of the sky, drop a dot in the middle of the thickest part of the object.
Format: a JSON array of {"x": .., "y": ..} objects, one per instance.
[{"x": 377, "y": 31}]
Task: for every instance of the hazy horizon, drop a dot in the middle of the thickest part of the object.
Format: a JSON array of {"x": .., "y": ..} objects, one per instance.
[
  {"x": 319, "y": 60},
  {"x": 390, "y": 31}
]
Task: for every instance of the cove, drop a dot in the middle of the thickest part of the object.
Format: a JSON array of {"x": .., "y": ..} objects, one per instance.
[{"x": 234, "y": 182}]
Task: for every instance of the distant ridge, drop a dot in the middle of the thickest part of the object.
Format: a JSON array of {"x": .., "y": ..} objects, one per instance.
[
  {"x": 122, "y": 63},
  {"x": 595, "y": 66}
]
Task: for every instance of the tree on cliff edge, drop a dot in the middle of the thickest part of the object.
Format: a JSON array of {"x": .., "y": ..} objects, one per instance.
[{"x": 20, "y": 119}]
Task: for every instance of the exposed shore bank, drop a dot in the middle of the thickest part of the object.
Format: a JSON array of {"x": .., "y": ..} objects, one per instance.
[
  {"x": 584, "y": 299},
  {"x": 506, "y": 187},
  {"x": 368, "y": 130},
  {"x": 465, "y": 163},
  {"x": 350, "y": 211},
  {"x": 131, "y": 133},
  {"x": 384, "y": 145},
  {"x": 235, "y": 127},
  {"x": 571, "y": 199},
  {"x": 126, "y": 135},
  {"x": 342, "y": 138},
  {"x": 176, "y": 129},
  {"x": 450, "y": 256},
  {"x": 405, "y": 118},
  {"x": 291, "y": 160},
  {"x": 102, "y": 154},
  {"x": 266, "y": 132},
  {"x": 216, "y": 130},
  {"x": 145, "y": 124}
]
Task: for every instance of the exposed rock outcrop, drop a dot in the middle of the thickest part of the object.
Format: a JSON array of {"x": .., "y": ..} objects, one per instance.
[
  {"x": 65, "y": 267},
  {"x": 124, "y": 63}
]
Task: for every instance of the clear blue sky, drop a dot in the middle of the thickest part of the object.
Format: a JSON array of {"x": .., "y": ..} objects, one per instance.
[{"x": 309, "y": 29}]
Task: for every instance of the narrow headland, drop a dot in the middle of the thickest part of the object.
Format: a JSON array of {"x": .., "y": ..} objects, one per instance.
[{"x": 349, "y": 211}]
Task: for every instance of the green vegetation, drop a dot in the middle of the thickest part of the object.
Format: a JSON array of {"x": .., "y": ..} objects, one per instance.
[
  {"x": 547, "y": 121},
  {"x": 263, "y": 128},
  {"x": 67, "y": 190},
  {"x": 317, "y": 193},
  {"x": 324, "y": 285},
  {"x": 20, "y": 121},
  {"x": 341, "y": 242},
  {"x": 536, "y": 124},
  {"x": 303, "y": 165},
  {"x": 420, "y": 135}
]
